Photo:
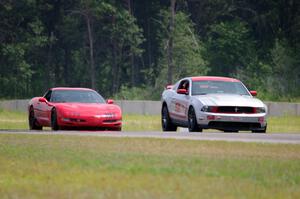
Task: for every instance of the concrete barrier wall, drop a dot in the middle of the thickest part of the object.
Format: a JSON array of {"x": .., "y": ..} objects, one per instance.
[
  {"x": 14, "y": 105},
  {"x": 154, "y": 107},
  {"x": 283, "y": 108},
  {"x": 140, "y": 107}
]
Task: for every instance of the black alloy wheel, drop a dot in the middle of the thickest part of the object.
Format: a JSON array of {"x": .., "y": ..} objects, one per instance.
[
  {"x": 166, "y": 122},
  {"x": 117, "y": 129},
  {"x": 54, "y": 124},
  {"x": 192, "y": 121},
  {"x": 32, "y": 121}
]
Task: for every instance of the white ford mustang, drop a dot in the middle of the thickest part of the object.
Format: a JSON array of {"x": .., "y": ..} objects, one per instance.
[{"x": 208, "y": 102}]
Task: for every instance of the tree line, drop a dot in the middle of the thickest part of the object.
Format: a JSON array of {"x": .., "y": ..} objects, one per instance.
[{"x": 130, "y": 49}]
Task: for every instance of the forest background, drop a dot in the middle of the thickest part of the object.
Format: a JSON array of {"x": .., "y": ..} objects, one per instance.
[{"x": 130, "y": 49}]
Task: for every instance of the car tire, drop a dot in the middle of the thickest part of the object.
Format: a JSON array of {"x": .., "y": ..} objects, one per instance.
[
  {"x": 117, "y": 129},
  {"x": 166, "y": 121},
  {"x": 54, "y": 123},
  {"x": 32, "y": 121},
  {"x": 192, "y": 121}
]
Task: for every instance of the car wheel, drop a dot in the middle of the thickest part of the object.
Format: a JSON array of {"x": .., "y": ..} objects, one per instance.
[
  {"x": 54, "y": 124},
  {"x": 32, "y": 121},
  {"x": 166, "y": 122},
  {"x": 117, "y": 129},
  {"x": 192, "y": 121}
]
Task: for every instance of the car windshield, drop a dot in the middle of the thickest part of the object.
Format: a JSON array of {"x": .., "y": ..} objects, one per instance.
[
  {"x": 218, "y": 87},
  {"x": 81, "y": 96}
]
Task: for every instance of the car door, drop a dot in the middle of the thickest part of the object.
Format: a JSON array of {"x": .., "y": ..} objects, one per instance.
[
  {"x": 44, "y": 109},
  {"x": 171, "y": 100},
  {"x": 181, "y": 101},
  {"x": 38, "y": 108}
]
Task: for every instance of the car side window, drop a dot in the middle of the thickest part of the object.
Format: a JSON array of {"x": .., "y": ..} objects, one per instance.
[
  {"x": 48, "y": 95},
  {"x": 184, "y": 85}
]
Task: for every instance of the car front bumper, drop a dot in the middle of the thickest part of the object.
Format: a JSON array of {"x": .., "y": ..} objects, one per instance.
[
  {"x": 232, "y": 121},
  {"x": 92, "y": 121}
]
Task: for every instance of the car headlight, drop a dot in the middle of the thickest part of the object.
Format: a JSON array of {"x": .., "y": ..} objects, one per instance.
[
  {"x": 105, "y": 115},
  {"x": 209, "y": 109},
  {"x": 260, "y": 110}
]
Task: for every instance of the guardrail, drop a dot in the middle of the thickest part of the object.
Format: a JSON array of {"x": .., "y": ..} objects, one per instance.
[{"x": 154, "y": 107}]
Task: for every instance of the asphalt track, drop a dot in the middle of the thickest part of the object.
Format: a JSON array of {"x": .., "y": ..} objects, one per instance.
[{"x": 285, "y": 138}]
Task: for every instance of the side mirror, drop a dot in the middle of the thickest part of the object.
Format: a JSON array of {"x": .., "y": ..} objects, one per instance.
[
  {"x": 253, "y": 93},
  {"x": 109, "y": 101},
  {"x": 42, "y": 99},
  {"x": 182, "y": 91}
]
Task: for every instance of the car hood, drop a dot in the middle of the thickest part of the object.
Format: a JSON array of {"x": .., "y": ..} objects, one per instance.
[
  {"x": 229, "y": 100},
  {"x": 89, "y": 108}
]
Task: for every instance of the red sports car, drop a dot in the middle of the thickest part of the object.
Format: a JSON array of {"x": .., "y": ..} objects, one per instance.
[{"x": 69, "y": 108}]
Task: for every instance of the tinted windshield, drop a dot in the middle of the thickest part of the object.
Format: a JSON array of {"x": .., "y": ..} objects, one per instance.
[
  {"x": 81, "y": 96},
  {"x": 219, "y": 87}
]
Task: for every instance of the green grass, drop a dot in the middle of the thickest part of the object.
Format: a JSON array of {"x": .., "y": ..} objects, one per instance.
[
  {"x": 57, "y": 166},
  {"x": 141, "y": 123},
  {"x": 13, "y": 120},
  {"x": 284, "y": 124},
  {"x": 18, "y": 120}
]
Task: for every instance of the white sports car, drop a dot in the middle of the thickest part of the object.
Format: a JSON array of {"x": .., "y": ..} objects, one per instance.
[{"x": 208, "y": 102}]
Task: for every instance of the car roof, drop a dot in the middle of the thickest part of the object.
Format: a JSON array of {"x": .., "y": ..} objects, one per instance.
[
  {"x": 71, "y": 88},
  {"x": 214, "y": 78}
]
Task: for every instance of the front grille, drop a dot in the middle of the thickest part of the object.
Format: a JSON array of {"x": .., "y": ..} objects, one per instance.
[
  {"x": 234, "y": 125},
  {"x": 235, "y": 109},
  {"x": 77, "y": 120}
]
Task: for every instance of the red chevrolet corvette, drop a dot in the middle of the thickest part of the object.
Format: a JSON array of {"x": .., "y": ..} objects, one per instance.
[{"x": 69, "y": 108}]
